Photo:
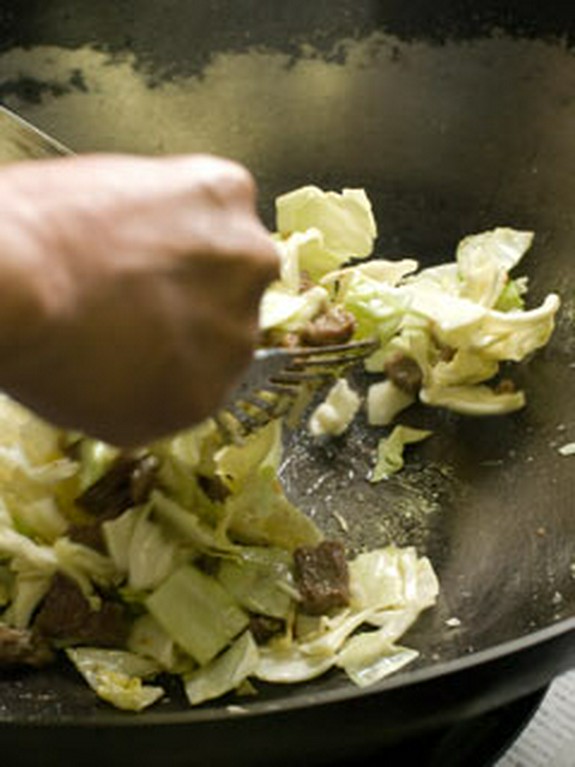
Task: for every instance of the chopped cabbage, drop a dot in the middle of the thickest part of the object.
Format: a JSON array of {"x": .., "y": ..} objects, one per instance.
[
  {"x": 390, "y": 450},
  {"x": 290, "y": 665},
  {"x": 197, "y": 613},
  {"x": 336, "y": 412},
  {"x": 369, "y": 658},
  {"x": 288, "y": 310},
  {"x": 474, "y": 400},
  {"x": 390, "y": 588},
  {"x": 141, "y": 548},
  {"x": 345, "y": 222},
  {"x": 385, "y": 401},
  {"x": 116, "y": 676},
  {"x": 234, "y": 464},
  {"x": 382, "y": 270},
  {"x": 484, "y": 261},
  {"x": 148, "y": 639},
  {"x": 26, "y": 593},
  {"x": 41, "y": 519},
  {"x": 188, "y": 527},
  {"x": 260, "y": 514},
  {"x": 317, "y": 232},
  {"x": 392, "y": 578},
  {"x": 260, "y": 579},
  {"x": 457, "y": 321},
  {"x": 225, "y": 673}
]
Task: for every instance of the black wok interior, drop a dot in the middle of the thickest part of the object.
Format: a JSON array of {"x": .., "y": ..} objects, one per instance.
[{"x": 455, "y": 117}]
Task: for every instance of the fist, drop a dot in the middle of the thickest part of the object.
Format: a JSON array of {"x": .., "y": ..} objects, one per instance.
[{"x": 130, "y": 289}]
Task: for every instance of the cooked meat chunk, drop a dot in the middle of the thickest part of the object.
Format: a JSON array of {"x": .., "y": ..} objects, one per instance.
[
  {"x": 405, "y": 373},
  {"x": 321, "y": 577},
  {"x": 446, "y": 353},
  {"x": 66, "y": 615},
  {"x": 264, "y": 627},
  {"x": 214, "y": 488},
  {"x": 21, "y": 647},
  {"x": 505, "y": 386},
  {"x": 127, "y": 483},
  {"x": 282, "y": 338},
  {"x": 89, "y": 535},
  {"x": 335, "y": 326}
]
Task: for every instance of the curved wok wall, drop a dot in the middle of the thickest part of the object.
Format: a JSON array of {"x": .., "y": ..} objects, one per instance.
[{"x": 455, "y": 120}]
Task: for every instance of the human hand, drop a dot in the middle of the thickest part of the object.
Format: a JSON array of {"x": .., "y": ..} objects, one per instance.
[{"x": 129, "y": 289}]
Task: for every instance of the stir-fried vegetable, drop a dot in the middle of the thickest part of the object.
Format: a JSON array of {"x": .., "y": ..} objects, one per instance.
[
  {"x": 455, "y": 323},
  {"x": 390, "y": 450},
  {"x": 187, "y": 557},
  {"x": 208, "y": 573}
]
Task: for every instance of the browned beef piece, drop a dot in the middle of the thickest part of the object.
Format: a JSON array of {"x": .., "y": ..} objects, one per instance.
[
  {"x": 66, "y": 615},
  {"x": 286, "y": 340},
  {"x": 405, "y": 373},
  {"x": 90, "y": 535},
  {"x": 22, "y": 647},
  {"x": 505, "y": 386},
  {"x": 264, "y": 627},
  {"x": 321, "y": 577},
  {"x": 214, "y": 488},
  {"x": 336, "y": 326},
  {"x": 127, "y": 483}
]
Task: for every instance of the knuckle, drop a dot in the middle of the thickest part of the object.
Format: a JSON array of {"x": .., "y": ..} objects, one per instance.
[
  {"x": 255, "y": 261},
  {"x": 226, "y": 181},
  {"x": 236, "y": 183}
]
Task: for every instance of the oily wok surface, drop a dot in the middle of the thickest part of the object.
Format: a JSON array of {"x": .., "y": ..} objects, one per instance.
[{"x": 453, "y": 125}]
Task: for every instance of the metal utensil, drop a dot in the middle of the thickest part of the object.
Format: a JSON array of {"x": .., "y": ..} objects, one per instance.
[
  {"x": 19, "y": 140},
  {"x": 277, "y": 377}
]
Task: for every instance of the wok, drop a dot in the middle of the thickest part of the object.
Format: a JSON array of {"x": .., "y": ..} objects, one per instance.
[{"x": 456, "y": 117}]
